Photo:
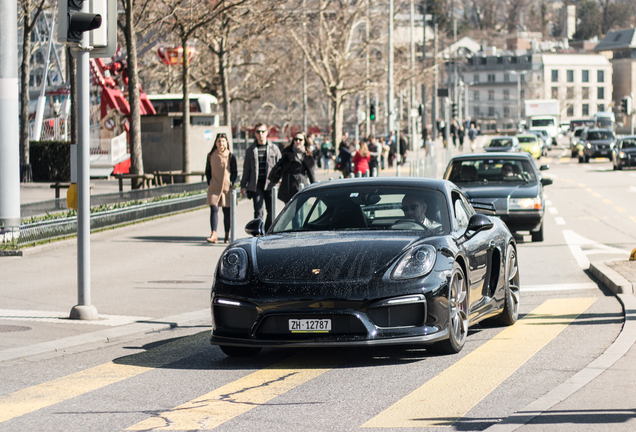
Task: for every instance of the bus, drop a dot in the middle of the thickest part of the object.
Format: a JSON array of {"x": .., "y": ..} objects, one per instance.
[{"x": 199, "y": 103}]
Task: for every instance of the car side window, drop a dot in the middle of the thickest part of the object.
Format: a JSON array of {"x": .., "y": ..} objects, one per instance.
[{"x": 461, "y": 214}]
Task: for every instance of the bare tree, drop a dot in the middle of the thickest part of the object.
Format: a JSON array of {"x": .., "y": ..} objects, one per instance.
[{"x": 29, "y": 12}]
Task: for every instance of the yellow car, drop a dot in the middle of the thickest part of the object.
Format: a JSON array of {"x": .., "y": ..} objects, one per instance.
[{"x": 530, "y": 144}]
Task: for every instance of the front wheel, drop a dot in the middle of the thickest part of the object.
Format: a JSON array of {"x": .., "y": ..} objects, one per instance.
[
  {"x": 512, "y": 293},
  {"x": 538, "y": 235},
  {"x": 457, "y": 314}
]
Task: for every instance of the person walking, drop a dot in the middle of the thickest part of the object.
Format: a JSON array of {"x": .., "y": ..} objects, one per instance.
[
  {"x": 361, "y": 160},
  {"x": 472, "y": 136},
  {"x": 260, "y": 158},
  {"x": 344, "y": 154},
  {"x": 403, "y": 149},
  {"x": 295, "y": 167},
  {"x": 221, "y": 173},
  {"x": 375, "y": 152}
]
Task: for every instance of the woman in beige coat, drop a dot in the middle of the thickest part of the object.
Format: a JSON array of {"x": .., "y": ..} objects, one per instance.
[{"x": 221, "y": 173}]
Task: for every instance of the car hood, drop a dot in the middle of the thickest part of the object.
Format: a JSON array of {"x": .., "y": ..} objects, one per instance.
[
  {"x": 496, "y": 191},
  {"x": 602, "y": 142},
  {"x": 498, "y": 149},
  {"x": 328, "y": 256}
]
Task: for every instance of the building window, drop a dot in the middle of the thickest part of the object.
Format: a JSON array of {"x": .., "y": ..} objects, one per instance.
[
  {"x": 491, "y": 95},
  {"x": 570, "y": 111},
  {"x": 522, "y": 77},
  {"x": 506, "y": 94},
  {"x": 491, "y": 111},
  {"x": 600, "y": 76},
  {"x": 555, "y": 75},
  {"x": 476, "y": 78},
  {"x": 506, "y": 77},
  {"x": 585, "y": 76},
  {"x": 476, "y": 95},
  {"x": 600, "y": 93},
  {"x": 506, "y": 111},
  {"x": 585, "y": 93},
  {"x": 476, "y": 110},
  {"x": 585, "y": 109},
  {"x": 522, "y": 94},
  {"x": 491, "y": 77},
  {"x": 570, "y": 74},
  {"x": 555, "y": 92},
  {"x": 569, "y": 93},
  {"x": 600, "y": 107}
]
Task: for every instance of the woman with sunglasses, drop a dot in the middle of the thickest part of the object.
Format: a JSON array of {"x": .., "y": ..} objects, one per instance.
[
  {"x": 295, "y": 167},
  {"x": 221, "y": 173}
]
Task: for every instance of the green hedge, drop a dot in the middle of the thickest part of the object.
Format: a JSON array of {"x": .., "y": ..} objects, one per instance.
[{"x": 50, "y": 161}]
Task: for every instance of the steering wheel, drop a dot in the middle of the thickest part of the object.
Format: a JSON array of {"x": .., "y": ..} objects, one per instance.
[{"x": 409, "y": 224}]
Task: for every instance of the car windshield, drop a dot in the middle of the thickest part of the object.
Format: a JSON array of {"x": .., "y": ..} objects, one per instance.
[
  {"x": 577, "y": 132},
  {"x": 526, "y": 139},
  {"x": 491, "y": 170},
  {"x": 500, "y": 143},
  {"x": 543, "y": 122},
  {"x": 628, "y": 143},
  {"x": 600, "y": 135},
  {"x": 365, "y": 208}
]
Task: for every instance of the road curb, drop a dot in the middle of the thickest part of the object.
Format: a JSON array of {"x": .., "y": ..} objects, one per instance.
[
  {"x": 65, "y": 345},
  {"x": 611, "y": 279}
]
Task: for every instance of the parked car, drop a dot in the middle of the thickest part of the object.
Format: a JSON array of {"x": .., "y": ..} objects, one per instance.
[
  {"x": 530, "y": 144},
  {"x": 574, "y": 140},
  {"x": 503, "y": 144},
  {"x": 624, "y": 153},
  {"x": 595, "y": 142},
  {"x": 360, "y": 262},
  {"x": 509, "y": 182},
  {"x": 544, "y": 136}
]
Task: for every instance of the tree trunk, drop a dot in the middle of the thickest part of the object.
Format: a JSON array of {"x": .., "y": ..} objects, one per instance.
[
  {"x": 186, "y": 108},
  {"x": 134, "y": 133},
  {"x": 337, "y": 119},
  {"x": 25, "y": 72},
  {"x": 227, "y": 109}
]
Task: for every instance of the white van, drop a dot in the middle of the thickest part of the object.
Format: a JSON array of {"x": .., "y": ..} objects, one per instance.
[{"x": 199, "y": 103}]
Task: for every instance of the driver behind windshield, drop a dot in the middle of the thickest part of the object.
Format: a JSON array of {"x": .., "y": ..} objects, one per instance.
[
  {"x": 414, "y": 207},
  {"x": 506, "y": 170}
]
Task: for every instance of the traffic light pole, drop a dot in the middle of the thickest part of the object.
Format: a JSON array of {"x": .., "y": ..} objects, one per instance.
[{"x": 631, "y": 114}]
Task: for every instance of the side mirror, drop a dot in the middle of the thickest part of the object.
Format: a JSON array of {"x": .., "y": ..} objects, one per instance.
[
  {"x": 546, "y": 181},
  {"x": 544, "y": 167},
  {"x": 255, "y": 227},
  {"x": 479, "y": 222}
]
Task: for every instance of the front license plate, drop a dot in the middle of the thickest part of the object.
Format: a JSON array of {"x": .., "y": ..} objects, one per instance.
[{"x": 310, "y": 325}]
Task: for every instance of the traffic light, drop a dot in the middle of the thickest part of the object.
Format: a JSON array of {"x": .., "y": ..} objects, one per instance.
[
  {"x": 454, "y": 110},
  {"x": 99, "y": 18},
  {"x": 626, "y": 105},
  {"x": 372, "y": 112}
]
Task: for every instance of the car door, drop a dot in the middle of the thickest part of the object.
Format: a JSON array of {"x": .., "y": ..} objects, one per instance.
[{"x": 475, "y": 250}]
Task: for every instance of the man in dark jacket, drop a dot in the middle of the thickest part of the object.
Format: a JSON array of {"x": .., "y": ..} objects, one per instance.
[
  {"x": 295, "y": 167},
  {"x": 260, "y": 158}
]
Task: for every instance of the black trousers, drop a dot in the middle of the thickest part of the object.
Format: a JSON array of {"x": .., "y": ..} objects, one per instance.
[
  {"x": 260, "y": 197},
  {"x": 214, "y": 218}
]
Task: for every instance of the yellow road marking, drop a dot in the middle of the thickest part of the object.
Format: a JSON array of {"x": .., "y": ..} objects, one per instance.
[
  {"x": 582, "y": 185},
  {"x": 589, "y": 189},
  {"x": 564, "y": 159},
  {"x": 49, "y": 393},
  {"x": 633, "y": 218},
  {"x": 596, "y": 195},
  {"x": 606, "y": 201},
  {"x": 231, "y": 400},
  {"x": 620, "y": 209},
  {"x": 450, "y": 395}
]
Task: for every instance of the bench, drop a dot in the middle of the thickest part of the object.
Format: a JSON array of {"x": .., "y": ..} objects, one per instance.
[
  {"x": 58, "y": 185},
  {"x": 146, "y": 179},
  {"x": 172, "y": 174}
]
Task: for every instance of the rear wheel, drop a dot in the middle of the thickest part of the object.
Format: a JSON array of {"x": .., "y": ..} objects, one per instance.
[
  {"x": 510, "y": 313},
  {"x": 236, "y": 351},
  {"x": 457, "y": 314},
  {"x": 538, "y": 235}
]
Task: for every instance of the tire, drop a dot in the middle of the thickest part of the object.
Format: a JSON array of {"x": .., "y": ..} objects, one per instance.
[
  {"x": 586, "y": 159},
  {"x": 619, "y": 167},
  {"x": 512, "y": 297},
  {"x": 538, "y": 236},
  {"x": 457, "y": 314},
  {"x": 236, "y": 351}
]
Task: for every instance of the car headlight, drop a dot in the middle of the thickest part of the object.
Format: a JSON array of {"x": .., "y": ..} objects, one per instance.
[
  {"x": 622, "y": 155},
  {"x": 588, "y": 145},
  {"x": 525, "y": 203},
  {"x": 415, "y": 263},
  {"x": 234, "y": 265}
]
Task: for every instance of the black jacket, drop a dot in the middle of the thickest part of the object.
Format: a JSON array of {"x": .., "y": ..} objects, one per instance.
[{"x": 291, "y": 172}]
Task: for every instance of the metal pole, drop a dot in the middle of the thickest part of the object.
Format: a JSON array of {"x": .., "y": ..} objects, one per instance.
[
  {"x": 39, "y": 113},
  {"x": 9, "y": 118},
  {"x": 435, "y": 85},
  {"x": 83, "y": 310},
  {"x": 631, "y": 95},
  {"x": 305, "y": 68},
  {"x": 412, "y": 119},
  {"x": 274, "y": 202},
  {"x": 369, "y": 130},
  {"x": 357, "y": 138},
  {"x": 390, "y": 107},
  {"x": 518, "y": 100},
  {"x": 233, "y": 205}
]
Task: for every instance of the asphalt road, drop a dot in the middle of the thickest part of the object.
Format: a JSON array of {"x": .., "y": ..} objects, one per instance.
[{"x": 174, "y": 380}]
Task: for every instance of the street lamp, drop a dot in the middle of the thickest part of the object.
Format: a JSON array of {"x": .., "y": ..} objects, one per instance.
[{"x": 518, "y": 73}]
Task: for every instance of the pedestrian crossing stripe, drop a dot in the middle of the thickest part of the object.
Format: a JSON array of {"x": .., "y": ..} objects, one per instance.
[
  {"x": 231, "y": 400},
  {"x": 449, "y": 396}
]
